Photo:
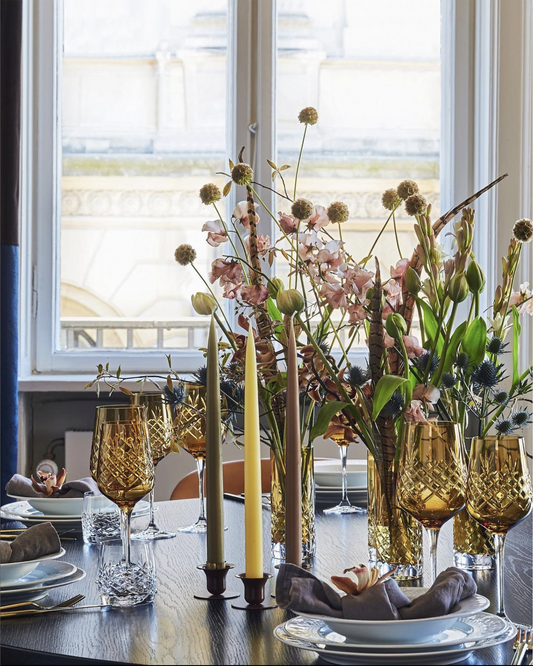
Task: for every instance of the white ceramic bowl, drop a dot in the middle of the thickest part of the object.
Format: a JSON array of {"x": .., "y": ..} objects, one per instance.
[
  {"x": 58, "y": 506},
  {"x": 402, "y": 631},
  {"x": 328, "y": 473},
  {"x": 12, "y": 571}
]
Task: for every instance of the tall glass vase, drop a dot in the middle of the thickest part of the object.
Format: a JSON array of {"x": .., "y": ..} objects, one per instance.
[
  {"x": 394, "y": 537},
  {"x": 473, "y": 545},
  {"x": 278, "y": 505}
]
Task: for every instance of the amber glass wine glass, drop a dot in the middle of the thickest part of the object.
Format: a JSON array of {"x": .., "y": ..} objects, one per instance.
[
  {"x": 160, "y": 431},
  {"x": 190, "y": 435},
  {"x": 432, "y": 476},
  {"x": 125, "y": 469},
  {"x": 498, "y": 492},
  {"x": 344, "y": 506}
]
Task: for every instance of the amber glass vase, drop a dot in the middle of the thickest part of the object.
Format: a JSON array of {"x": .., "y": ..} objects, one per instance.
[
  {"x": 394, "y": 537},
  {"x": 277, "y": 463}
]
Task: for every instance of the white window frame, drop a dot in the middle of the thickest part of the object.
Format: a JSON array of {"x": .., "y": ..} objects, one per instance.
[{"x": 474, "y": 75}]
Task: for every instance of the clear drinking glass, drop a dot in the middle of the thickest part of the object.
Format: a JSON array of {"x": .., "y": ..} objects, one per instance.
[
  {"x": 160, "y": 430},
  {"x": 100, "y": 518},
  {"x": 498, "y": 492},
  {"x": 344, "y": 506},
  {"x": 126, "y": 585},
  {"x": 432, "y": 477}
]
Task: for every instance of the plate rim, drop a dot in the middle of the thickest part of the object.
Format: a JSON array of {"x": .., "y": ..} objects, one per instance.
[
  {"x": 58, "y": 576},
  {"x": 52, "y": 585},
  {"x": 43, "y": 558}
]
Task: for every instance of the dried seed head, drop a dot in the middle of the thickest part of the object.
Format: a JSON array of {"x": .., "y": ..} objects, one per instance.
[
  {"x": 338, "y": 212},
  {"x": 185, "y": 254},
  {"x": 390, "y": 199},
  {"x": 242, "y": 174},
  {"x": 308, "y": 116},
  {"x": 302, "y": 209},
  {"x": 406, "y": 188},
  {"x": 210, "y": 194},
  {"x": 523, "y": 230},
  {"x": 415, "y": 205}
]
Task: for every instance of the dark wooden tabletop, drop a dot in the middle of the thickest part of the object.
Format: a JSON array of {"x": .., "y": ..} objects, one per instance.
[{"x": 178, "y": 629}]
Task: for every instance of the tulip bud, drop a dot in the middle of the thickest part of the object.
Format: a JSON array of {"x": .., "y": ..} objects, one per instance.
[
  {"x": 475, "y": 277},
  {"x": 395, "y": 325},
  {"x": 458, "y": 289},
  {"x": 274, "y": 286},
  {"x": 203, "y": 304},
  {"x": 290, "y": 301},
  {"x": 412, "y": 281}
]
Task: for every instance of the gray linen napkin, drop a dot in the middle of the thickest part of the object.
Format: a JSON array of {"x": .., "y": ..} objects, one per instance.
[
  {"x": 21, "y": 486},
  {"x": 35, "y": 542},
  {"x": 299, "y": 590},
  {"x": 5, "y": 552}
]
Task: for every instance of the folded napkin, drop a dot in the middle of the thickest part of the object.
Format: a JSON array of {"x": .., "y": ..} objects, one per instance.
[
  {"x": 21, "y": 486},
  {"x": 34, "y": 542},
  {"x": 299, "y": 590}
]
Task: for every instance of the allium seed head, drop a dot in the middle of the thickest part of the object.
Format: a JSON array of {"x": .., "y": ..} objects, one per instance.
[
  {"x": 308, "y": 116},
  {"x": 523, "y": 230},
  {"x": 406, "y": 188},
  {"x": 338, "y": 212},
  {"x": 210, "y": 194},
  {"x": 302, "y": 209},
  {"x": 390, "y": 199},
  {"x": 415, "y": 205},
  {"x": 242, "y": 174},
  {"x": 185, "y": 254}
]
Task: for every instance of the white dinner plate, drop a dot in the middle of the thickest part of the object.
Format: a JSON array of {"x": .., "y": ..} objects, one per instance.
[
  {"x": 469, "y": 629},
  {"x": 22, "y": 510},
  {"x": 54, "y": 506},
  {"x": 45, "y": 572},
  {"x": 36, "y": 592},
  {"x": 11, "y": 572},
  {"x": 402, "y": 631},
  {"x": 431, "y": 657},
  {"x": 329, "y": 472}
]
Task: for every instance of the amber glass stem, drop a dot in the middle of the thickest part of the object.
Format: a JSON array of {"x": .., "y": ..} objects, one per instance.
[
  {"x": 125, "y": 534},
  {"x": 499, "y": 541},
  {"x": 200, "y": 463},
  {"x": 433, "y": 533}
]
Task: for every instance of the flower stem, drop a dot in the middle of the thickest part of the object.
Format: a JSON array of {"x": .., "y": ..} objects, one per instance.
[{"x": 299, "y": 160}]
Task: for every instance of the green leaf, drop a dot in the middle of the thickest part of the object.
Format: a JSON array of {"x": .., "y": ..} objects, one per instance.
[
  {"x": 285, "y": 166},
  {"x": 270, "y": 163},
  {"x": 384, "y": 390},
  {"x": 516, "y": 339},
  {"x": 227, "y": 188},
  {"x": 430, "y": 326},
  {"x": 231, "y": 165},
  {"x": 453, "y": 346},
  {"x": 325, "y": 414},
  {"x": 475, "y": 341}
]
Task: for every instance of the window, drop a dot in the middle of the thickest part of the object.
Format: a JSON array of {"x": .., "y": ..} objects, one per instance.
[{"x": 131, "y": 106}]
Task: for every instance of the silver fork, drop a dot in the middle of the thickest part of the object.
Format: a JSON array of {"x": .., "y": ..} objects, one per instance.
[{"x": 23, "y": 604}]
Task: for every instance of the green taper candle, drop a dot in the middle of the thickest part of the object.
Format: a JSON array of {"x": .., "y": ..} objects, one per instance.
[{"x": 213, "y": 456}]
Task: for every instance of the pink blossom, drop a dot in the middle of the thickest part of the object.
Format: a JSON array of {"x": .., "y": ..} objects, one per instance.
[
  {"x": 310, "y": 238},
  {"x": 217, "y": 233},
  {"x": 523, "y": 299},
  {"x": 415, "y": 413},
  {"x": 388, "y": 341},
  {"x": 429, "y": 393},
  {"x": 334, "y": 295},
  {"x": 263, "y": 244},
  {"x": 331, "y": 255},
  {"x": 357, "y": 314},
  {"x": 254, "y": 294},
  {"x": 241, "y": 213},
  {"x": 318, "y": 219},
  {"x": 412, "y": 346},
  {"x": 227, "y": 271},
  {"x": 231, "y": 289},
  {"x": 288, "y": 223},
  {"x": 357, "y": 280},
  {"x": 393, "y": 297},
  {"x": 398, "y": 272}
]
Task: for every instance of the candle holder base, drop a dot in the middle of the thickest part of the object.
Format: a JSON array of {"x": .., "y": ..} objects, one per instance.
[
  {"x": 216, "y": 584},
  {"x": 254, "y": 593}
]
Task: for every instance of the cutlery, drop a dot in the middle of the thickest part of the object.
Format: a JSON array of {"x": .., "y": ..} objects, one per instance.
[
  {"x": 521, "y": 645},
  {"x": 63, "y": 604},
  {"x": 31, "y": 611}
]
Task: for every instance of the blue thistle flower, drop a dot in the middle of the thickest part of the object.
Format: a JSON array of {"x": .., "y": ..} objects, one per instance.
[
  {"x": 175, "y": 396},
  {"x": 501, "y": 397},
  {"x": 357, "y": 376},
  {"x": 234, "y": 394},
  {"x": 521, "y": 418},
  {"x": 394, "y": 406},
  {"x": 422, "y": 362},
  {"x": 462, "y": 361},
  {"x": 496, "y": 346},
  {"x": 486, "y": 375},
  {"x": 504, "y": 426},
  {"x": 201, "y": 375},
  {"x": 448, "y": 380}
]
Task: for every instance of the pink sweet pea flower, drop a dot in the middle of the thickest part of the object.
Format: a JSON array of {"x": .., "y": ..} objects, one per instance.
[
  {"x": 263, "y": 244},
  {"x": 398, "y": 272},
  {"x": 241, "y": 213},
  {"x": 357, "y": 280},
  {"x": 388, "y": 340},
  {"x": 231, "y": 289},
  {"x": 357, "y": 314},
  {"x": 228, "y": 271},
  {"x": 393, "y": 295},
  {"x": 318, "y": 219},
  {"x": 331, "y": 255},
  {"x": 217, "y": 233},
  {"x": 254, "y": 294},
  {"x": 412, "y": 346},
  {"x": 415, "y": 413},
  {"x": 429, "y": 393},
  {"x": 334, "y": 295},
  {"x": 288, "y": 223},
  {"x": 523, "y": 299}
]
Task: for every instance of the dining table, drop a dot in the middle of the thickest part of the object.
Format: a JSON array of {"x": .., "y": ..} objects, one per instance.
[{"x": 177, "y": 628}]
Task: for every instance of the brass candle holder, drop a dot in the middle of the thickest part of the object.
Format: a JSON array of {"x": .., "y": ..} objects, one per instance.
[
  {"x": 216, "y": 583},
  {"x": 254, "y": 593}
]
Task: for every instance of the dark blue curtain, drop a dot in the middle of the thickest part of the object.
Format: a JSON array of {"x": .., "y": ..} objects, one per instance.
[{"x": 10, "y": 76}]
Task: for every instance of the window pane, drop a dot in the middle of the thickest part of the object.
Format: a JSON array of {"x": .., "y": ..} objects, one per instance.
[
  {"x": 372, "y": 70},
  {"x": 143, "y": 109}
]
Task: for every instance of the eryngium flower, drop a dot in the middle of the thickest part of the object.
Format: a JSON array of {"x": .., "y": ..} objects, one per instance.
[
  {"x": 201, "y": 375},
  {"x": 175, "y": 396},
  {"x": 523, "y": 230},
  {"x": 390, "y": 199},
  {"x": 210, "y": 194},
  {"x": 394, "y": 406},
  {"x": 486, "y": 375},
  {"x": 302, "y": 209},
  {"x": 521, "y": 418},
  {"x": 357, "y": 376},
  {"x": 415, "y": 205},
  {"x": 448, "y": 380},
  {"x": 406, "y": 188},
  {"x": 422, "y": 362},
  {"x": 185, "y": 254},
  {"x": 496, "y": 346},
  {"x": 233, "y": 393},
  {"x": 501, "y": 397},
  {"x": 338, "y": 212},
  {"x": 242, "y": 174},
  {"x": 308, "y": 116},
  {"x": 504, "y": 426}
]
